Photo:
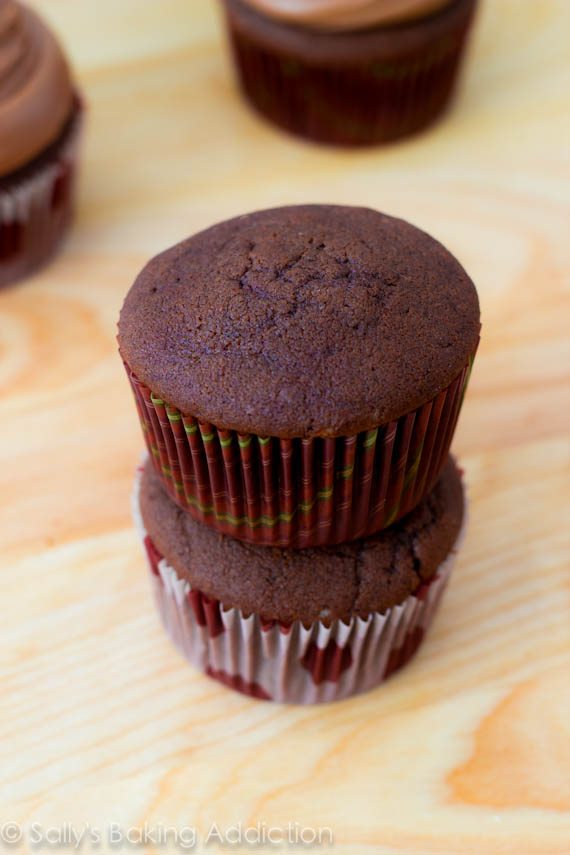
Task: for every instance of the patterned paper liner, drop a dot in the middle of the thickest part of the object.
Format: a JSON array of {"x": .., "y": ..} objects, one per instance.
[
  {"x": 299, "y": 492},
  {"x": 290, "y": 663},
  {"x": 36, "y": 205},
  {"x": 361, "y": 103}
]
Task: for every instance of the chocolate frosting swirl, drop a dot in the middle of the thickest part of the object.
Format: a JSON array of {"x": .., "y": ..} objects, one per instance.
[
  {"x": 36, "y": 93},
  {"x": 347, "y": 14}
]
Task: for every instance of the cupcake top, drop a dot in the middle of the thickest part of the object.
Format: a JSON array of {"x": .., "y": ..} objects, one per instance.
[
  {"x": 328, "y": 583},
  {"x": 301, "y": 321},
  {"x": 36, "y": 94},
  {"x": 347, "y": 14}
]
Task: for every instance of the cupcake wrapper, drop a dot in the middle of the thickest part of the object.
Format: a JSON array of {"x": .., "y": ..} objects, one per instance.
[
  {"x": 289, "y": 663},
  {"x": 299, "y": 492},
  {"x": 361, "y": 103},
  {"x": 36, "y": 206}
]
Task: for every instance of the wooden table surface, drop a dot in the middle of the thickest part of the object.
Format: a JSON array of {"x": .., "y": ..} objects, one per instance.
[{"x": 468, "y": 750}]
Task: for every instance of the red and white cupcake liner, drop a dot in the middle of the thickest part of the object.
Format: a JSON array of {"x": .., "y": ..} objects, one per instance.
[
  {"x": 36, "y": 205},
  {"x": 289, "y": 663},
  {"x": 298, "y": 493}
]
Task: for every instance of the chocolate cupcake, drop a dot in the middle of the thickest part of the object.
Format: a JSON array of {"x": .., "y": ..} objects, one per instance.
[
  {"x": 350, "y": 72},
  {"x": 299, "y": 372},
  {"x": 40, "y": 118},
  {"x": 299, "y": 626}
]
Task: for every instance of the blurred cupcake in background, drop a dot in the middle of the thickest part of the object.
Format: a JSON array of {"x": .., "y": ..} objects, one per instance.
[
  {"x": 349, "y": 72},
  {"x": 40, "y": 119}
]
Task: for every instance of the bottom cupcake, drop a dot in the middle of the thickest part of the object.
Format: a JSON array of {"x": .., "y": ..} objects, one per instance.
[{"x": 299, "y": 626}]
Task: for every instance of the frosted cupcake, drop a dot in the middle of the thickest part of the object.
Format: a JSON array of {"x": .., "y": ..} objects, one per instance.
[
  {"x": 350, "y": 72},
  {"x": 40, "y": 118}
]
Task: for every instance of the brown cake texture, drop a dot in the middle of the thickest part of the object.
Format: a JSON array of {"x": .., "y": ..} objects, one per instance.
[
  {"x": 327, "y": 583},
  {"x": 312, "y": 320}
]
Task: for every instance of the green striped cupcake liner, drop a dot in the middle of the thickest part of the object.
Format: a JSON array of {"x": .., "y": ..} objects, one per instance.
[{"x": 299, "y": 492}]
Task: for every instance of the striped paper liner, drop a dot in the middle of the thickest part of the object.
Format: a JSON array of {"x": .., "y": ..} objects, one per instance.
[
  {"x": 362, "y": 102},
  {"x": 299, "y": 492},
  {"x": 36, "y": 205},
  {"x": 290, "y": 663}
]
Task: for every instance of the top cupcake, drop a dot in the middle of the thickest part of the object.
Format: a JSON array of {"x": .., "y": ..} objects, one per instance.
[
  {"x": 36, "y": 92},
  {"x": 304, "y": 321}
]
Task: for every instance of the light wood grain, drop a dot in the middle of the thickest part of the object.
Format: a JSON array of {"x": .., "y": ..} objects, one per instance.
[{"x": 468, "y": 751}]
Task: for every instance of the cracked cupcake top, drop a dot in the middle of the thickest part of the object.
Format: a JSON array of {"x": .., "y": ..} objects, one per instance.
[
  {"x": 326, "y": 583},
  {"x": 301, "y": 321}
]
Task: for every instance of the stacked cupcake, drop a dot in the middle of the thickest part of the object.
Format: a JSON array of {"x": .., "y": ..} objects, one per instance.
[{"x": 298, "y": 374}]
